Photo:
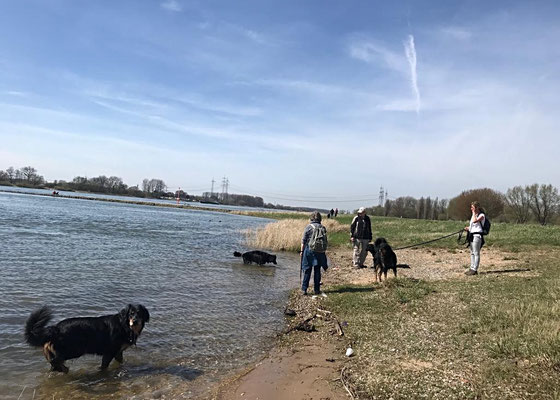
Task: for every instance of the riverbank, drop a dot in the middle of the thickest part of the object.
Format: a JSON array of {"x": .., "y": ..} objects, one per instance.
[{"x": 432, "y": 333}]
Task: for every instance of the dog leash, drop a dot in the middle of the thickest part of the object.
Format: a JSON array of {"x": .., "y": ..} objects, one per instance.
[{"x": 429, "y": 241}]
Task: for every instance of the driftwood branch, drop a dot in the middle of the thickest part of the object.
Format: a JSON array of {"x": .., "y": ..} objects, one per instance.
[
  {"x": 304, "y": 325},
  {"x": 338, "y": 328},
  {"x": 344, "y": 383}
]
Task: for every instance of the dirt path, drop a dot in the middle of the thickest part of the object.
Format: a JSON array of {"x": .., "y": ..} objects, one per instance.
[
  {"x": 427, "y": 264},
  {"x": 308, "y": 365}
]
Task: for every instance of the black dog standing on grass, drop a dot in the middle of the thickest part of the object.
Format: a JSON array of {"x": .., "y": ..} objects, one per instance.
[
  {"x": 384, "y": 258},
  {"x": 256, "y": 256},
  {"x": 107, "y": 336}
]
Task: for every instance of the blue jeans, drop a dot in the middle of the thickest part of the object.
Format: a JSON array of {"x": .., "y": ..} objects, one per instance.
[
  {"x": 475, "y": 246},
  {"x": 312, "y": 261}
]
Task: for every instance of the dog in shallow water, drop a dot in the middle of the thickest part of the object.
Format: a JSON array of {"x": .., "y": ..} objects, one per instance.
[
  {"x": 107, "y": 336},
  {"x": 384, "y": 258},
  {"x": 256, "y": 256}
]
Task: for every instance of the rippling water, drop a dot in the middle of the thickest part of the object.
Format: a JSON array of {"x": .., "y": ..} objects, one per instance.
[{"x": 210, "y": 314}]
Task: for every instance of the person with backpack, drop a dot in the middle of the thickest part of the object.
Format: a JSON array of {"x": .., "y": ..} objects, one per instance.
[
  {"x": 360, "y": 236},
  {"x": 313, "y": 257},
  {"x": 476, "y": 230}
]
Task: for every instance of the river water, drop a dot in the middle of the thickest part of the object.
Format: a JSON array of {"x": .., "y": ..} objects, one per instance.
[{"x": 210, "y": 314}]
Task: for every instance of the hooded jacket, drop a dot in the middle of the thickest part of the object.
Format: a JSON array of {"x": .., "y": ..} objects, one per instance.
[{"x": 361, "y": 228}]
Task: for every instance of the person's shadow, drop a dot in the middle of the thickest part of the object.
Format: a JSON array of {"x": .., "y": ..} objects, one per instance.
[
  {"x": 350, "y": 289},
  {"x": 504, "y": 271}
]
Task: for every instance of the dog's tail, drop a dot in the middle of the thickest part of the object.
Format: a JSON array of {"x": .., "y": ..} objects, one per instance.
[
  {"x": 237, "y": 254},
  {"x": 402, "y": 266},
  {"x": 36, "y": 331}
]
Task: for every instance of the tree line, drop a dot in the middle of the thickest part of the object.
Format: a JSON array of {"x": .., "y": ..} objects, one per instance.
[
  {"x": 410, "y": 207},
  {"x": 151, "y": 188},
  {"x": 24, "y": 175},
  {"x": 28, "y": 177},
  {"x": 537, "y": 203}
]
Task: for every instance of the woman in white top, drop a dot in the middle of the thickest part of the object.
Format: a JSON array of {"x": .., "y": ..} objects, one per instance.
[{"x": 475, "y": 236}]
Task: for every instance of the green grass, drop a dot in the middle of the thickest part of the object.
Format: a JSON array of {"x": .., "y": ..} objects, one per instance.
[
  {"x": 494, "y": 336},
  {"x": 402, "y": 232},
  {"x": 491, "y": 336}
]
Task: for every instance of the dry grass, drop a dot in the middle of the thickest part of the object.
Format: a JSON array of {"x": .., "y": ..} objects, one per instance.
[
  {"x": 286, "y": 234},
  {"x": 496, "y": 336}
]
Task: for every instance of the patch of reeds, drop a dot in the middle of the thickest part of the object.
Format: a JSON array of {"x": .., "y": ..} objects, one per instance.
[{"x": 286, "y": 234}]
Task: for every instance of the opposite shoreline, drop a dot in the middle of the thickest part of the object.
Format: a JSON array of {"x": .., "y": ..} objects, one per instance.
[{"x": 123, "y": 201}]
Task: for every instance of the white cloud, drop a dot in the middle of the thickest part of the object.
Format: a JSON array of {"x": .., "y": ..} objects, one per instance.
[
  {"x": 255, "y": 36},
  {"x": 398, "y": 105},
  {"x": 456, "y": 33},
  {"x": 16, "y": 93},
  {"x": 410, "y": 52},
  {"x": 315, "y": 88},
  {"x": 375, "y": 53},
  {"x": 172, "y": 5}
]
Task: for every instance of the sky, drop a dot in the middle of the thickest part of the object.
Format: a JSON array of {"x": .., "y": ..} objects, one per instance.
[{"x": 315, "y": 103}]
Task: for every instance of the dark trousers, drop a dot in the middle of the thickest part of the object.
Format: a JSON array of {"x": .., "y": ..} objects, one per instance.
[
  {"x": 312, "y": 261},
  {"x": 316, "y": 279}
]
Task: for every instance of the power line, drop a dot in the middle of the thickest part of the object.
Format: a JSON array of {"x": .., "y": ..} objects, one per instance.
[
  {"x": 226, "y": 185},
  {"x": 305, "y": 197}
]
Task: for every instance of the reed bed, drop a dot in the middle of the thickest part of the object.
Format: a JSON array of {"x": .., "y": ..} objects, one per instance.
[{"x": 285, "y": 234}]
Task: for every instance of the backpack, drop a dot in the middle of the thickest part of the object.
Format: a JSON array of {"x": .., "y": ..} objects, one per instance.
[
  {"x": 318, "y": 241},
  {"x": 486, "y": 226}
]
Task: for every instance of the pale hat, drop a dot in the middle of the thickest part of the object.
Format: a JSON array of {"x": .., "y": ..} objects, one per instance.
[{"x": 361, "y": 210}]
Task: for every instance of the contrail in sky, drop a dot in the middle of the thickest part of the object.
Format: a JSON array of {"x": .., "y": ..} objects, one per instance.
[{"x": 410, "y": 52}]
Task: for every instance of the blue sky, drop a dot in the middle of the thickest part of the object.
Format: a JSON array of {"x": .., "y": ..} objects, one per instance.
[{"x": 315, "y": 103}]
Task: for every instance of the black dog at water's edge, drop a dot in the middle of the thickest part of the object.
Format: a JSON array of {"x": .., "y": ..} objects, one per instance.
[
  {"x": 256, "y": 256},
  {"x": 384, "y": 258},
  {"x": 107, "y": 336}
]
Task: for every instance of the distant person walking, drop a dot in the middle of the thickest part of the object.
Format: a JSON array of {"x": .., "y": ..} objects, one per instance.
[
  {"x": 336, "y": 212},
  {"x": 360, "y": 236},
  {"x": 313, "y": 246},
  {"x": 474, "y": 236}
]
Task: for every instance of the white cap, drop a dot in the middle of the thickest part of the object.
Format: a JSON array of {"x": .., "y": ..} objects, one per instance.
[{"x": 361, "y": 210}]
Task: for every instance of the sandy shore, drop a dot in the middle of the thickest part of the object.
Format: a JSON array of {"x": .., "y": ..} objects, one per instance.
[{"x": 310, "y": 365}]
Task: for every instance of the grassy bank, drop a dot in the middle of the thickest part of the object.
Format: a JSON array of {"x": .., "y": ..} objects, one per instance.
[
  {"x": 484, "y": 337},
  {"x": 494, "y": 336},
  {"x": 401, "y": 232}
]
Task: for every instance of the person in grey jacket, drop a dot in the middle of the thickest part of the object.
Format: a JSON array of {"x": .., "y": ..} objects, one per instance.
[
  {"x": 312, "y": 260},
  {"x": 360, "y": 236}
]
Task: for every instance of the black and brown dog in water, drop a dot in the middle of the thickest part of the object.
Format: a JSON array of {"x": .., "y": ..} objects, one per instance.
[
  {"x": 384, "y": 258},
  {"x": 107, "y": 336}
]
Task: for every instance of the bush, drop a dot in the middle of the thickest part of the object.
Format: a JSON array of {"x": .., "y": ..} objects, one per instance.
[{"x": 491, "y": 201}]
